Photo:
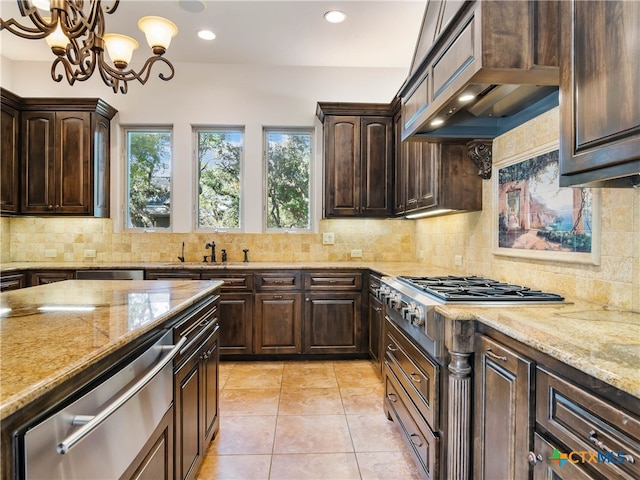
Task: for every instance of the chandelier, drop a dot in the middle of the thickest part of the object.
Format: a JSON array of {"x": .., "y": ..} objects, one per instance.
[{"x": 75, "y": 31}]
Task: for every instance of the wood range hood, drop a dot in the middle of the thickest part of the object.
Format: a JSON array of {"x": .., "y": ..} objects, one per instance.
[{"x": 480, "y": 68}]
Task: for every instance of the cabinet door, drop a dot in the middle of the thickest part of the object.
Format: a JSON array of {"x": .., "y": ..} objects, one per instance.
[
  {"x": 38, "y": 162},
  {"x": 342, "y": 166},
  {"x": 73, "y": 166},
  {"x": 375, "y": 331},
  {"x": 9, "y": 166},
  {"x": 236, "y": 320},
  {"x": 210, "y": 407},
  {"x": 599, "y": 71},
  {"x": 427, "y": 158},
  {"x": 189, "y": 448},
  {"x": 333, "y": 323},
  {"x": 278, "y": 323},
  {"x": 503, "y": 412},
  {"x": 376, "y": 150},
  {"x": 101, "y": 131},
  {"x": 400, "y": 169},
  {"x": 13, "y": 281}
]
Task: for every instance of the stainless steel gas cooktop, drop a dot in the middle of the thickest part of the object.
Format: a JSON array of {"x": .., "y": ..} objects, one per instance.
[{"x": 477, "y": 289}]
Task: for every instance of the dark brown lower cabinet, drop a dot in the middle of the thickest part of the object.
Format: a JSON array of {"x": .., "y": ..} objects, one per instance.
[
  {"x": 196, "y": 390},
  {"x": 236, "y": 321},
  {"x": 376, "y": 322},
  {"x": 503, "y": 411},
  {"x": 278, "y": 323},
  {"x": 333, "y": 323},
  {"x": 155, "y": 461}
]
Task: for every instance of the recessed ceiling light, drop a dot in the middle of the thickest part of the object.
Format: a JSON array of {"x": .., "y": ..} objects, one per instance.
[
  {"x": 335, "y": 16},
  {"x": 206, "y": 34},
  {"x": 193, "y": 6},
  {"x": 466, "y": 97}
]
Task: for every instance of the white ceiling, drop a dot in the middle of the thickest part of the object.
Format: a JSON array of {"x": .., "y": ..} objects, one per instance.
[{"x": 284, "y": 33}]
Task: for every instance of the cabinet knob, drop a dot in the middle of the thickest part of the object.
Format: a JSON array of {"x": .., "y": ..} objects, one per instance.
[{"x": 533, "y": 458}]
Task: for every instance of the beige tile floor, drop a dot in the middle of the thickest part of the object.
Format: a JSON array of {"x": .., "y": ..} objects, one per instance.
[{"x": 304, "y": 420}]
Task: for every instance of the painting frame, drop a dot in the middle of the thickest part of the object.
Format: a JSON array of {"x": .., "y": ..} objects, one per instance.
[{"x": 499, "y": 224}]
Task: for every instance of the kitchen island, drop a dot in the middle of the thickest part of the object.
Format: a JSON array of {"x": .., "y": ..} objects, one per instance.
[{"x": 55, "y": 338}]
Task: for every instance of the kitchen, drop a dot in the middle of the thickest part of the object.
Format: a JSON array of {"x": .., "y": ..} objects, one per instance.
[{"x": 258, "y": 95}]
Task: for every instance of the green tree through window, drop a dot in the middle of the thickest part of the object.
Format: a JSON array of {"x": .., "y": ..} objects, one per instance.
[
  {"x": 219, "y": 159},
  {"x": 149, "y": 178},
  {"x": 288, "y": 161}
]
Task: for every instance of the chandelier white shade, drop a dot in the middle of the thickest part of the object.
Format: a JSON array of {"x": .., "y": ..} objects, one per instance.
[{"x": 75, "y": 31}]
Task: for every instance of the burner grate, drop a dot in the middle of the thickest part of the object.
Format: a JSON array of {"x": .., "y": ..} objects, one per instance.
[{"x": 473, "y": 288}]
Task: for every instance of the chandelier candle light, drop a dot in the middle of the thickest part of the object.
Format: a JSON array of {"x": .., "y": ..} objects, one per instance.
[{"x": 75, "y": 31}]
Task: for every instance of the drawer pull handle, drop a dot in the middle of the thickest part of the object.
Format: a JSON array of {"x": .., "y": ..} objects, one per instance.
[
  {"x": 391, "y": 348},
  {"x": 593, "y": 438},
  {"x": 377, "y": 309},
  {"x": 420, "y": 442},
  {"x": 490, "y": 354},
  {"x": 277, "y": 297},
  {"x": 392, "y": 397},
  {"x": 415, "y": 377}
]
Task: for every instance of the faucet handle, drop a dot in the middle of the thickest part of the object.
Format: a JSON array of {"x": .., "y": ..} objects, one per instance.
[
  {"x": 246, "y": 256},
  {"x": 205, "y": 258}
]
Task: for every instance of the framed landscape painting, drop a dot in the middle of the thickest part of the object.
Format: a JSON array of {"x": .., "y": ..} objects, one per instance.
[{"x": 536, "y": 218}]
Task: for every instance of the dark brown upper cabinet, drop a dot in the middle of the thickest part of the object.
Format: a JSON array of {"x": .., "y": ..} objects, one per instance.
[
  {"x": 600, "y": 107},
  {"x": 358, "y": 159},
  {"x": 63, "y": 155},
  {"x": 9, "y": 149},
  {"x": 434, "y": 178}
]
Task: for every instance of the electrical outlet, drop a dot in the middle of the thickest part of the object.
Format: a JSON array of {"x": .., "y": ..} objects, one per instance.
[
  {"x": 51, "y": 253},
  {"x": 356, "y": 253},
  {"x": 89, "y": 254},
  {"x": 458, "y": 260},
  {"x": 328, "y": 238}
]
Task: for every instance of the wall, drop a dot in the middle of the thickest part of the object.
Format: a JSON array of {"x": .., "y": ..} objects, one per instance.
[
  {"x": 29, "y": 237},
  {"x": 616, "y": 281}
]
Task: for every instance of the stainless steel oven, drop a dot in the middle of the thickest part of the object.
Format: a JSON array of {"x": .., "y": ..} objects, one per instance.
[{"x": 100, "y": 433}]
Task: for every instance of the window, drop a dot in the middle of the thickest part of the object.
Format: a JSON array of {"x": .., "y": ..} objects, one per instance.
[
  {"x": 149, "y": 163},
  {"x": 288, "y": 179},
  {"x": 220, "y": 153}
]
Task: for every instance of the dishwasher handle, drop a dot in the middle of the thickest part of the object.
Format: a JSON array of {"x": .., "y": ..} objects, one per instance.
[{"x": 91, "y": 422}]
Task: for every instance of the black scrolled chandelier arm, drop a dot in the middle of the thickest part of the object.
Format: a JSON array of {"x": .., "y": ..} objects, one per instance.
[
  {"x": 113, "y": 76},
  {"x": 78, "y": 63},
  {"x": 40, "y": 29}
]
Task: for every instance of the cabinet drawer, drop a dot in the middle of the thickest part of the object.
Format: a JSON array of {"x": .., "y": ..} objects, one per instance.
[
  {"x": 423, "y": 443},
  {"x": 417, "y": 374},
  {"x": 333, "y": 281},
  {"x": 172, "y": 275},
  {"x": 233, "y": 282},
  {"x": 584, "y": 422},
  {"x": 13, "y": 281},
  {"x": 278, "y": 281},
  {"x": 194, "y": 324},
  {"x": 545, "y": 469}
]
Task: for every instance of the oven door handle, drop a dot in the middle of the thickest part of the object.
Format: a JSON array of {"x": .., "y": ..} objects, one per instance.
[{"x": 91, "y": 422}]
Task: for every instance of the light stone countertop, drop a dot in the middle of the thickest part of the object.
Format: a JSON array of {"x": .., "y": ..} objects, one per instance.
[
  {"x": 39, "y": 349},
  {"x": 593, "y": 338}
]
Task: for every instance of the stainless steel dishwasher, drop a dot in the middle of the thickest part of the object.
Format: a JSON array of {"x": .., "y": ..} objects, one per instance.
[
  {"x": 99, "y": 435},
  {"x": 110, "y": 274}
]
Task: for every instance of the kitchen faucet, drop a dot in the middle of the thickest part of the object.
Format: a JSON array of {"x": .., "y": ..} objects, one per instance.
[
  {"x": 182, "y": 257},
  {"x": 212, "y": 246}
]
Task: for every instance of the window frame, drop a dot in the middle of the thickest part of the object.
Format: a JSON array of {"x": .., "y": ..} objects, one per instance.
[
  {"x": 265, "y": 175},
  {"x": 195, "y": 129},
  {"x": 125, "y": 194}
]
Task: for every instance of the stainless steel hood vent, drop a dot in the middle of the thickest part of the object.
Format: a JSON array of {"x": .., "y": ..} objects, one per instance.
[{"x": 507, "y": 100}]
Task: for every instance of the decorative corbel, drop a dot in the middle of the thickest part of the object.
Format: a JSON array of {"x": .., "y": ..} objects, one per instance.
[{"x": 480, "y": 153}]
